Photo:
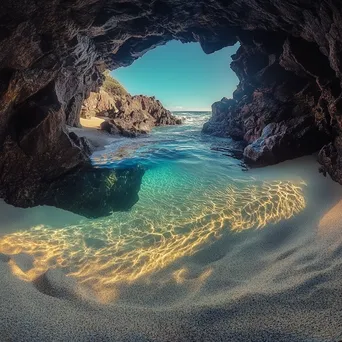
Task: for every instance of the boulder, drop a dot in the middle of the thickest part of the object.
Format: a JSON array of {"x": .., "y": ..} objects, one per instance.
[
  {"x": 285, "y": 140},
  {"x": 109, "y": 127},
  {"x": 128, "y": 115}
]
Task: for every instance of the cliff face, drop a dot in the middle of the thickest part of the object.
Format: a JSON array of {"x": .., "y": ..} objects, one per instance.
[
  {"x": 128, "y": 115},
  {"x": 53, "y": 54},
  {"x": 284, "y": 104}
]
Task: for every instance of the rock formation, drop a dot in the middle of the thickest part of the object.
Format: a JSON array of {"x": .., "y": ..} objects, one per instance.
[
  {"x": 279, "y": 108},
  {"x": 53, "y": 54},
  {"x": 95, "y": 192},
  {"x": 130, "y": 115}
]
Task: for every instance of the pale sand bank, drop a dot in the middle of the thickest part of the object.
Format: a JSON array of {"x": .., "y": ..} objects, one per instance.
[
  {"x": 280, "y": 283},
  {"x": 94, "y": 122},
  {"x": 91, "y": 130}
]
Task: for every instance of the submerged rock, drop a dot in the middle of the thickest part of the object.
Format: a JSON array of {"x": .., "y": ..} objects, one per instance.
[
  {"x": 4, "y": 258},
  {"x": 96, "y": 192}
]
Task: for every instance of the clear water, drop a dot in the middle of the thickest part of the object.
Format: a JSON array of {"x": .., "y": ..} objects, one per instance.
[{"x": 192, "y": 194}]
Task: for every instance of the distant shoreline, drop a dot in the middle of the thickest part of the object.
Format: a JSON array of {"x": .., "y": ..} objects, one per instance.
[{"x": 190, "y": 111}]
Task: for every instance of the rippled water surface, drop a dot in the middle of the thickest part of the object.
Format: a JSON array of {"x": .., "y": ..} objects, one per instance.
[{"x": 192, "y": 194}]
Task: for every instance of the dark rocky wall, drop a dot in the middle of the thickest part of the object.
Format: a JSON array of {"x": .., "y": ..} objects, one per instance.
[
  {"x": 280, "y": 106},
  {"x": 53, "y": 53}
]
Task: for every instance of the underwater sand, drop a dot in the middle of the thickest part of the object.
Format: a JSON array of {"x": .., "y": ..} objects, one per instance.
[{"x": 209, "y": 253}]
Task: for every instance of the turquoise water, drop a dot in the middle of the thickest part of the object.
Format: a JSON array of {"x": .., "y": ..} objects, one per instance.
[
  {"x": 177, "y": 159},
  {"x": 193, "y": 193},
  {"x": 168, "y": 145},
  {"x": 211, "y": 250},
  {"x": 184, "y": 167}
]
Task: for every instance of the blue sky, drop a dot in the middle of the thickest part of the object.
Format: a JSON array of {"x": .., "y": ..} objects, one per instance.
[{"x": 181, "y": 76}]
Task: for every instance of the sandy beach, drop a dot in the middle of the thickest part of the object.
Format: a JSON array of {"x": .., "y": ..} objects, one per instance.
[
  {"x": 91, "y": 130},
  {"x": 94, "y": 122},
  {"x": 279, "y": 283},
  {"x": 201, "y": 201}
]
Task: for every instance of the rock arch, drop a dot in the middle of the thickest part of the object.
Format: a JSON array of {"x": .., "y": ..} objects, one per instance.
[{"x": 53, "y": 54}]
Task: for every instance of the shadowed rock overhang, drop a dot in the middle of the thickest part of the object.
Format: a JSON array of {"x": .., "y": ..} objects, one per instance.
[{"x": 53, "y": 54}]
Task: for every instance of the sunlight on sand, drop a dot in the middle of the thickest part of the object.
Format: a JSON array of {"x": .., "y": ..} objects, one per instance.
[
  {"x": 94, "y": 122},
  {"x": 100, "y": 255},
  {"x": 331, "y": 221}
]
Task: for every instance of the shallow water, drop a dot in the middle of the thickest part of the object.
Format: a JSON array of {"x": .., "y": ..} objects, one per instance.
[
  {"x": 192, "y": 195},
  {"x": 211, "y": 252}
]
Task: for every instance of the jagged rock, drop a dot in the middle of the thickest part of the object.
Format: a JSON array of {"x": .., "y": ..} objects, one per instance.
[
  {"x": 53, "y": 54},
  {"x": 330, "y": 157},
  {"x": 69, "y": 182},
  {"x": 224, "y": 125},
  {"x": 131, "y": 115},
  {"x": 115, "y": 127},
  {"x": 278, "y": 107},
  {"x": 98, "y": 104},
  {"x": 109, "y": 127},
  {"x": 284, "y": 140}
]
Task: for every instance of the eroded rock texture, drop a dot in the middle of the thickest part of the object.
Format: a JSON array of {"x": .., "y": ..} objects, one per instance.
[
  {"x": 128, "y": 115},
  {"x": 280, "y": 107},
  {"x": 53, "y": 53}
]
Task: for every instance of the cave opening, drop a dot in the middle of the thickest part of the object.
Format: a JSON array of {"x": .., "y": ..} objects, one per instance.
[
  {"x": 180, "y": 240},
  {"x": 181, "y": 76},
  {"x": 285, "y": 106}
]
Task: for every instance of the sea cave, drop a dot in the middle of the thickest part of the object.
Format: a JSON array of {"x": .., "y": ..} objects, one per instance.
[{"x": 126, "y": 220}]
